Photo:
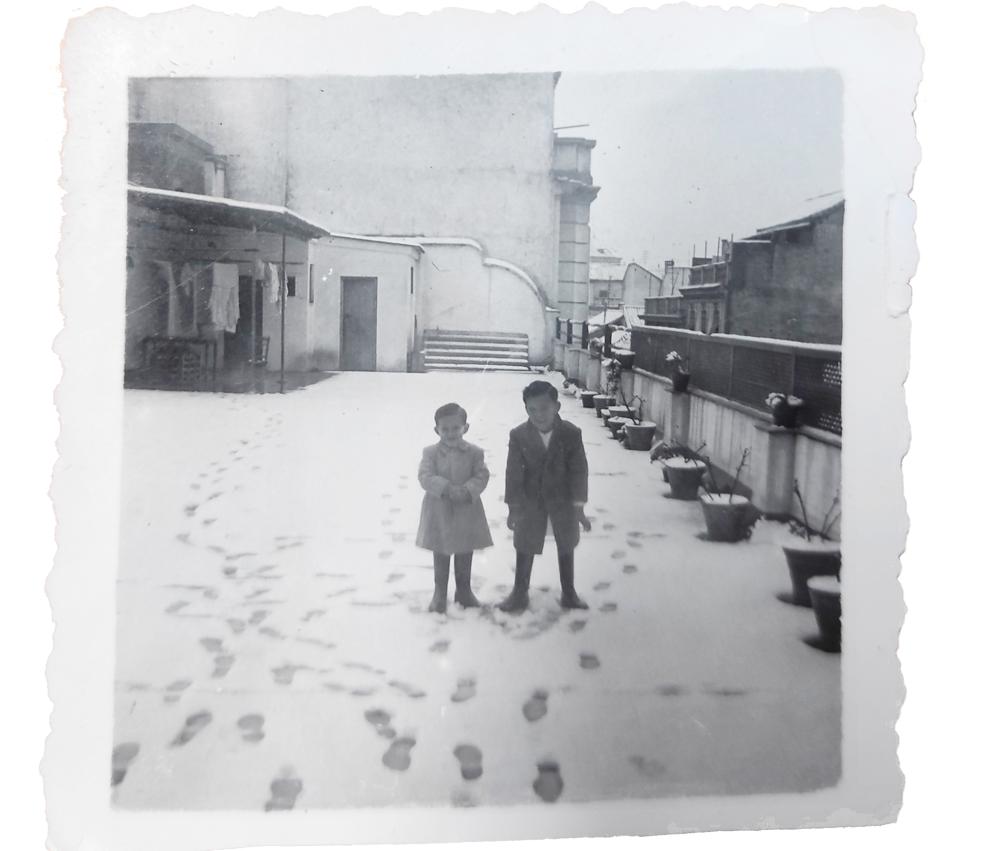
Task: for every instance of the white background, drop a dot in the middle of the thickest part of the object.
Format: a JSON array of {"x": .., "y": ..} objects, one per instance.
[{"x": 942, "y": 749}]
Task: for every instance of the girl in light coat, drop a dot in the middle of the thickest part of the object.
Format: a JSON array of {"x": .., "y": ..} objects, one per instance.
[{"x": 453, "y": 523}]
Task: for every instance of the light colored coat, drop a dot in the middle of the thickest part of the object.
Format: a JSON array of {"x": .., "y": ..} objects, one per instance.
[{"x": 448, "y": 527}]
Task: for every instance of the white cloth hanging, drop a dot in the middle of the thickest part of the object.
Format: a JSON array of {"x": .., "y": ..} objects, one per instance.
[
  {"x": 224, "y": 300},
  {"x": 272, "y": 281}
]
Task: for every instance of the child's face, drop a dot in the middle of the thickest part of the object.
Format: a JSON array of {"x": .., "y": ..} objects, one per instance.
[
  {"x": 542, "y": 411},
  {"x": 451, "y": 429}
]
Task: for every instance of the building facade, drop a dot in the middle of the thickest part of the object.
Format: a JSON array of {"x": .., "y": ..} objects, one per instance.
[{"x": 472, "y": 159}]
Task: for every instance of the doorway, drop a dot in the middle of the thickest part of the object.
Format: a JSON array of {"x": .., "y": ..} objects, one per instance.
[
  {"x": 250, "y": 325},
  {"x": 358, "y": 325}
]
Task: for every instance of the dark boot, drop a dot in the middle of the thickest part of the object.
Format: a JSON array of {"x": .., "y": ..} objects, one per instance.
[
  {"x": 567, "y": 572},
  {"x": 440, "y": 564},
  {"x": 517, "y": 600},
  {"x": 464, "y": 572}
]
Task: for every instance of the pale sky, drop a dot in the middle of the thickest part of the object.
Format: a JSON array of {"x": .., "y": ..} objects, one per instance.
[{"x": 687, "y": 157}]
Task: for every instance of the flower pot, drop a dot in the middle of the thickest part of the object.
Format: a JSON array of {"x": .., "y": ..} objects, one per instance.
[
  {"x": 602, "y": 401},
  {"x": 586, "y": 397},
  {"x": 680, "y": 381},
  {"x": 824, "y": 592},
  {"x": 639, "y": 435},
  {"x": 805, "y": 560},
  {"x": 625, "y": 359},
  {"x": 785, "y": 415},
  {"x": 615, "y": 424},
  {"x": 684, "y": 477},
  {"x": 727, "y": 519},
  {"x": 618, "y": 411}
]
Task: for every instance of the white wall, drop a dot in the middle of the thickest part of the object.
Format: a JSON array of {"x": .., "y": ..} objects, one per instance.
[
  {"x": 339, "y": 257},
  {"x": 465, "y": 293}
]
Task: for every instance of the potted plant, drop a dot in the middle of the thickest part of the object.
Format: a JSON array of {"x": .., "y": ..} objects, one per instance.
[
  {"x": 611, "y": 374},
  {"x": 729, "y": 517},
  {"x": 683, "y": 468},
  {"x": 638, "y": 432},
  {"x": 784, "y": 409},
  {"x": 586, "y": 397},
  {"x": 827, "y": 605},
  {"x": 810, "y": 553},
  {"x": 680, "y": 371}
]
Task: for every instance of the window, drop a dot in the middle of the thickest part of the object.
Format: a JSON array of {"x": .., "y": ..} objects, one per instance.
[
  {"x": 291, "y": 286},
  {"x": 311, "y": 284}
]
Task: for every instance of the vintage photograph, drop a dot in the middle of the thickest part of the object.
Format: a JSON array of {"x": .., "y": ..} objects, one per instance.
[{"x": 482, "y": 439}]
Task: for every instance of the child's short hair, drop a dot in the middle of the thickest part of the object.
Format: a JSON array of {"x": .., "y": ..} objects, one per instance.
[
  {"x": 540, "y": 388},
  {"x": 452, "y": 409}
]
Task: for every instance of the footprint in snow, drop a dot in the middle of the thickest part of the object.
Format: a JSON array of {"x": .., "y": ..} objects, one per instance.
[
  {"x": 191, "y": 509},
  {"x": 465, "y": 690},
  {"x": 440, "y": 646},
  {"x": 617, "y": 554},
  {"x": 608, "y": 607},
  {"x": 609, "y": 527},
  {"x": 284, "y": 792},
  {"x": 258, "y": 617},
  {"x": 671, "y": 690},
  {"x": 380, "y": 719},
  {"x": 194, "y": 725},
  {"x": 213, "y": 645},
  {"x": 398, "y": 755},
  {"x": 548, "y": 785},
  {"x": 601, "y": 586},
  {"x": 123, "y": 755},
  {"x": 222, "y": 665},
  {"x": 174, "y": 690},
  {"x": 536, "y": 706},
  {"x": 648, "y": 767},
  {"x": 251, "y": 727},
  {"x": 406, "y": 688},
  {"x": 176, "y": 607},
  {"x": 630, "y": 569},
  {"x": 577, "y": 626},
  {"x": 470, "y": 761},
  {"x": 588, "y": 661}
]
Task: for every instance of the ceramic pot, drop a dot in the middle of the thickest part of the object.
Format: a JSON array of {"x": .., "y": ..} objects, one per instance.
[
  {"x": 728, "y": 520},
  {"x": 807, "y": 559},
  {"x": 639, "y": 435}
]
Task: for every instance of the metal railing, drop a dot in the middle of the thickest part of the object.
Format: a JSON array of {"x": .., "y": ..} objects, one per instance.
[{"x": 747, "y": 370}]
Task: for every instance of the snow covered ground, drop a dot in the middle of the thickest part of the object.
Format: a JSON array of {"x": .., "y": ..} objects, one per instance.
[{"x": 274, "y": 648}]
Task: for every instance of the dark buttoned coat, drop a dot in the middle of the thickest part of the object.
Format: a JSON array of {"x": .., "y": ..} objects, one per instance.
[{"x": 546, "y": 483}]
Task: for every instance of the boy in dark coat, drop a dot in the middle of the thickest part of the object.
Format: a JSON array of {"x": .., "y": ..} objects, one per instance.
[{"x": 546, "y": 488}]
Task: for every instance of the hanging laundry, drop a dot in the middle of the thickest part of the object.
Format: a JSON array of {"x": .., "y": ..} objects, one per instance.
[
  {"x": 272, "y": 282},
  {"x": 224, "y": 300}
]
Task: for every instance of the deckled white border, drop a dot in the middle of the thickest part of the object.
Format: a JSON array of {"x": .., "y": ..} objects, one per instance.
[{"x": 105, "y": 47}]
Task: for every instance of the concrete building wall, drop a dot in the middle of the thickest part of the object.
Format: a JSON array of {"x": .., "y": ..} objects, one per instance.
[
  {"x": 794, "y": 289},
  {"x": 336, "y": 258},
  {"x": 243, "y": 118},
  {"x": 639, "y": 284},
  {"x": 361, "y": 149},
  {"x": 468, "y": 291}
]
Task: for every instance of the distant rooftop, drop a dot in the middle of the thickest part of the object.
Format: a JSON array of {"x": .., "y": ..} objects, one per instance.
[{"x": 805, "y": 213}]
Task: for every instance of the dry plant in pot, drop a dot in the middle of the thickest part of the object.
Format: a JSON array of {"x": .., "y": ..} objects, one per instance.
[
  {"x": 684, "y": 473},
  {"x": 729, "y": 517},
  {"x": 810, "y": 553},
  {"x": 638, "y": 433},
  {"x": 680, "y": 371}
]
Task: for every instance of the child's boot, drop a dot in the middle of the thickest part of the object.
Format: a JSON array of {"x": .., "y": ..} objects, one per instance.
[
  {"x": 464, "y": 572},
  {"x": 517, "y": 600},
  {"x": 567, "y": 573},
  {"x": 439, "y": 598}
]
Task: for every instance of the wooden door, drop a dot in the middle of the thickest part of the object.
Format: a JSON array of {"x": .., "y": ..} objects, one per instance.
[{"x": 358, "y": 325}]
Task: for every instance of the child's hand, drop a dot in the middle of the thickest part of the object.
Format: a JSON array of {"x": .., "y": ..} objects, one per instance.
[
  {"x": 583, "y": 519},
  {"x": 458, "y": 494}
]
